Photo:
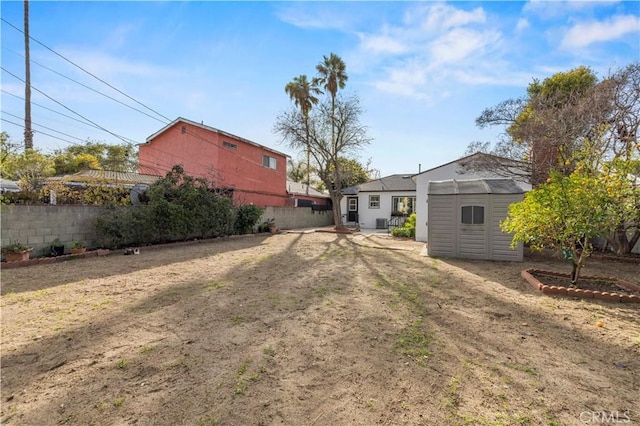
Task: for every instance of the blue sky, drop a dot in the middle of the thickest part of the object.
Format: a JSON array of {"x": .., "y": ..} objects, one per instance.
[{"x": 423, "y": 70}]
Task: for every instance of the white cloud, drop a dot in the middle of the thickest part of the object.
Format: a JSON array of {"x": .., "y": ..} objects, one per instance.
[
  {"x": 405, "y": 81},
  {"x": 420, "y": 57},
  {"x": 312, "y": 16},
  {"x": 460, "y": 44},
  {"x": 586, "y": 33},
  {"x": 107, "y": 66},
  {"x": 522, "y": 25},
  {"x": 382, "y": 44},
  {"x": 438, "y": 17}
]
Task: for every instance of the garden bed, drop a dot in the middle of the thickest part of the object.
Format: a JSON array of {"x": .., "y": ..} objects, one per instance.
[{"x": 587, "y": 287}]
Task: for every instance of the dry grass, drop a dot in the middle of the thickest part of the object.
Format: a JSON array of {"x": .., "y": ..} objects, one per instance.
[{"x": 309, "y": 329}]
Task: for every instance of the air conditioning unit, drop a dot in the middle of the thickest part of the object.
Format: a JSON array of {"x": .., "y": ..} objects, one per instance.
[{"x": 381, "y": 223}]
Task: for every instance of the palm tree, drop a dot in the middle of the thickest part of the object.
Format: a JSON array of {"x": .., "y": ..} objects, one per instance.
[
  {"x": 332, "y": 75},
  {"x": 302, "y": 92}
]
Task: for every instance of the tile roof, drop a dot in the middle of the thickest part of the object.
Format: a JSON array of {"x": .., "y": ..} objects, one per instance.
[{"x": 124, "y": 178}]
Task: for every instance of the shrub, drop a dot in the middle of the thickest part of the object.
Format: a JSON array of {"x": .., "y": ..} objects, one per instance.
[
  {"x": 180, "y": 207},
  {"x": 408, "y": 229},
  {"x": 246, "y": 218}
]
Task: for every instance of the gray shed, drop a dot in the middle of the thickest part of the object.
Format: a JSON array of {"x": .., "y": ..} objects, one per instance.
[{"x": 465, "y": 215}]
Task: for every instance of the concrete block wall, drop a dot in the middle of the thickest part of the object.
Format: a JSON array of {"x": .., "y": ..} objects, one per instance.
[
  {"x": 297, "y": 217},
  {"x": 37, "y": 226}
]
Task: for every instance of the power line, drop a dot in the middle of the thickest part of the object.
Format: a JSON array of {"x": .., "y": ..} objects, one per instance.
[
  {"x": 47, "y": 134},
  {"x": 88, "y": 87},
  {"x": 92, "y": 75},
  {"x": 44, "y": 127},
  {"x": 59, "y": 113},
  {"x": 65, "y": 107}
]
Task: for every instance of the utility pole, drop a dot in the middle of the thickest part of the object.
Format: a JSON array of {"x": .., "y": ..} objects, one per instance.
[{"x": 28, "y": 133}]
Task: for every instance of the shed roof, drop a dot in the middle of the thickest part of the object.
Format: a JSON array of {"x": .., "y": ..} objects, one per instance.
[
  {"x": 399, "y": 182},
  {"x": 474, "y": 186}
]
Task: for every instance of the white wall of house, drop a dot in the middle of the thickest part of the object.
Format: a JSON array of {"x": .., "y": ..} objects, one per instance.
[
  {"x": 445, "y": 172},
  {"x": 367, "y": 215}
]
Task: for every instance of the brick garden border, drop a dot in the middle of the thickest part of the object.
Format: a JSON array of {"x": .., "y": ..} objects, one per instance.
[
  {"x": 106, "y": 252},
  {"x": 56, "y": 259},
  {"x": 527, "y": 274}
]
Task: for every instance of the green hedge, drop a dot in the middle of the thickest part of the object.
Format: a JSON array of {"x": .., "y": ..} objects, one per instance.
[{"x": 179, "y": 208}]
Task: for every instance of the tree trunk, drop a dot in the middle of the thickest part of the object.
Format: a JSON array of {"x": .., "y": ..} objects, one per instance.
[
  {"x": 306, "y": 131},
  {"x": 336, "y": 197},
  {"x": 575, "y": 271}
]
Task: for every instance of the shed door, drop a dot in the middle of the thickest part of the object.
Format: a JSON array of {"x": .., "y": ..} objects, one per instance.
[
  {"x": 352, "y": 209},
  {"x": 472, "y": 230}
]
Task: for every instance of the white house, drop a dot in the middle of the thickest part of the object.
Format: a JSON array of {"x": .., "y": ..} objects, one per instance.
[
  {"x": 452, "y": 170},
  {"x": 375, "y": 203}
]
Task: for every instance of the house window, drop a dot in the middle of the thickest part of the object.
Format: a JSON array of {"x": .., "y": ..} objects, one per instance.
[
  {"x": 402, "y": 206},
  {"x": 472, "y": 215},
  {"x": 184, "y": 129},
  {"x": 374, "y": 201},
  {"x": 269, "y": 162},
  {"x": 229, "y": 145}
]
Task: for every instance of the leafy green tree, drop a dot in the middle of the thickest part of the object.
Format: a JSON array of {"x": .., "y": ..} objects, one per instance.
[
  {"x": 354, "y": 173},
  {"x": 565, "y": 214},
  {"x": 8, "y": 149},
  {"x": 29, "y": 167},
  {"x": 95, "y": 155},
  {"x": 548, "y": 125},
  {"x": 296, "y": 170},
  {"x": 621, "y": 182}
]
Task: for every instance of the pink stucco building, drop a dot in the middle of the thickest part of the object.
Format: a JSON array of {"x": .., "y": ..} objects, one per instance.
[{"x": 250, "y": 172}]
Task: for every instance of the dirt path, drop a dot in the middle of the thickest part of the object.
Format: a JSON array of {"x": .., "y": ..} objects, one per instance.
[{"x": 313, "y": 329}]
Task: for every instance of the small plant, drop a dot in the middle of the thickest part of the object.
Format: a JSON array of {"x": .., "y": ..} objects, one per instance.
[
  {"x": 118, "y": 402},
  {"x": 268, "y": 351},
  {"x": 408, "y": 229},
  {"x": 413, "y": 341},
  {"x": 122, "y": 364},
  {"x": 56, "y": 247},
  {"x": 146, "y": 349},
  {"x": 78, "y": 244},
  {"x": 16, "y": 247},
  {"x": 267, "y": 225}
]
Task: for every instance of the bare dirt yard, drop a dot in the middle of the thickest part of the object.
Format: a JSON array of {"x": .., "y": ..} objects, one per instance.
[{"x": 311, "y": 329}]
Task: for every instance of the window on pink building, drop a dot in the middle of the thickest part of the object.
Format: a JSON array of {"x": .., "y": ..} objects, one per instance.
[{"x": 269, "y": 162}]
